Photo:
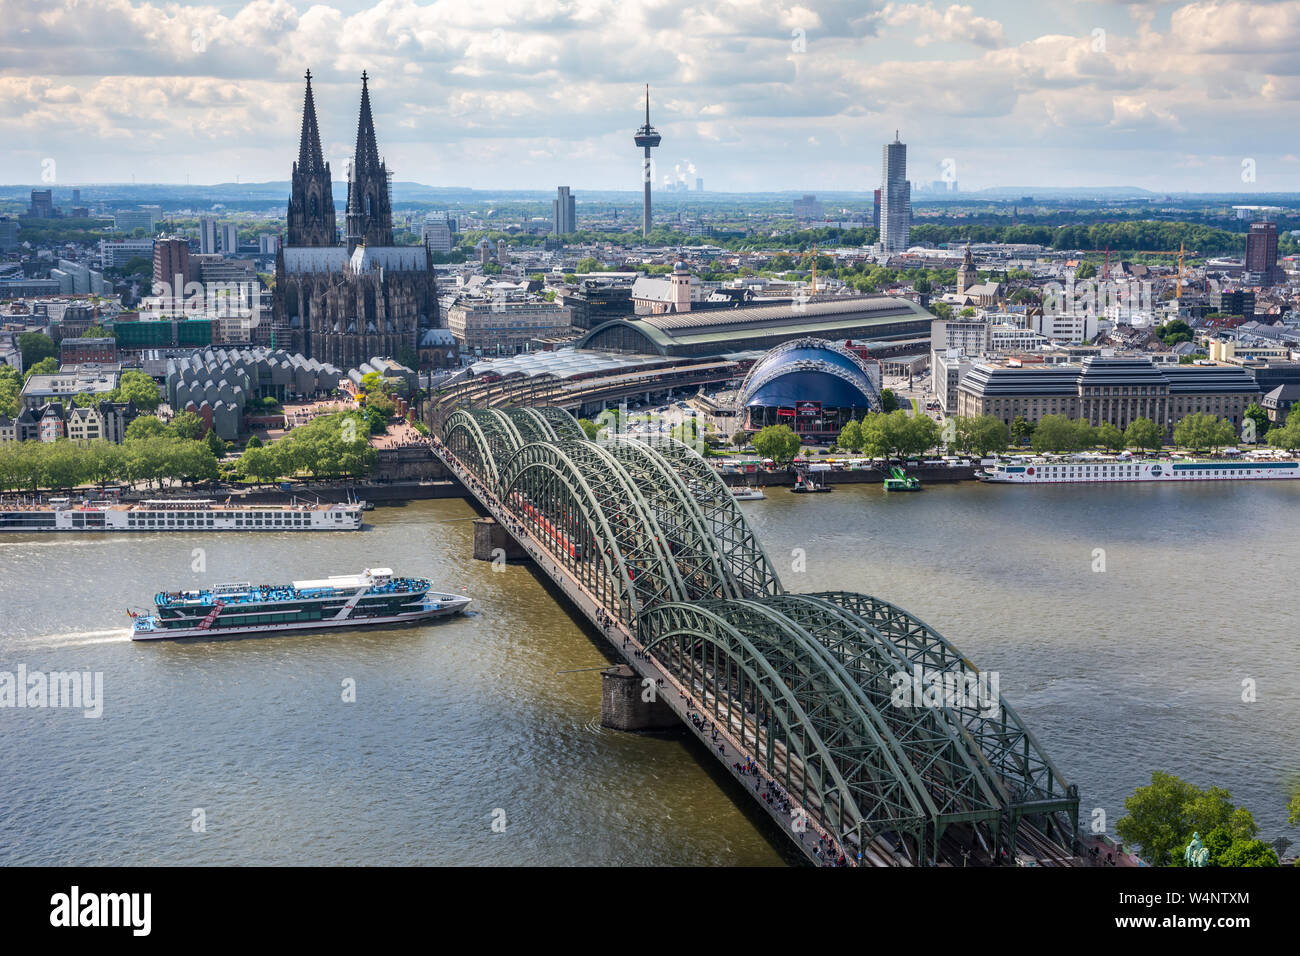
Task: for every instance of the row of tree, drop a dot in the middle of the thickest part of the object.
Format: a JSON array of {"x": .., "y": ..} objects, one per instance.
[
  {"x": 332, "y": 446},
  {"x": 163, "y": 458}
]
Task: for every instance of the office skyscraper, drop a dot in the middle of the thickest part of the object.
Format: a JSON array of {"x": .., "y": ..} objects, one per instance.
[
  {"x": 1261, "y": 252},
  {"x": 229, "y": 238},
  {"x": 564, "y": 217},
  {"x": 895, "y": 197},
  {"x": 208, "y": 236}
]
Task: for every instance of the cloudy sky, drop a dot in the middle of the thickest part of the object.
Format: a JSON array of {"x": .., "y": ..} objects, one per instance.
[{"x": 748, "y": 94}]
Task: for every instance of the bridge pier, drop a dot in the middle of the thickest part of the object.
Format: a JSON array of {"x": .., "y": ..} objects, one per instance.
[
  {"x": 624, "y": 704},
  {"x": 491, "y": 539}
]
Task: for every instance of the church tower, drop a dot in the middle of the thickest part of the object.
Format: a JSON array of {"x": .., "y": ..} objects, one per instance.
[
  {"x": 311, "y": 202},
  {"x": 370, "y": 214},
  {"x": 967, "y": 275}
]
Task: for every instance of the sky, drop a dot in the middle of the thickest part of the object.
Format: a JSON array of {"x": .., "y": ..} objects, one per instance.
[{"x": 750, "y": 95}]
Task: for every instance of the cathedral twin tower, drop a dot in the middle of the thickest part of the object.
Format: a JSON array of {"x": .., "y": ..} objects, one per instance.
[{"x": 347, "y": 303}]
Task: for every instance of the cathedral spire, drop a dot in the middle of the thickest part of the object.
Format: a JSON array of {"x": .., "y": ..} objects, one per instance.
[
  {"x": 369, "y": 219},
  {"x": 310, "y": 158},
  {"x": 311, "y": 219},
  {"x": 367, "y": 156}
]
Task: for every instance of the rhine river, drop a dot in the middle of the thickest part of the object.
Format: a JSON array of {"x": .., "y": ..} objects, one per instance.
[{"x": 1118, "y": 672}]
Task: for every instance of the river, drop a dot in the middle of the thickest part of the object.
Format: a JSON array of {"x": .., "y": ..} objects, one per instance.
[{"x": 468, "y": 744}]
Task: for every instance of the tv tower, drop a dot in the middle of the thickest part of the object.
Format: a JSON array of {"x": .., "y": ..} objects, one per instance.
[{"x": 647, "y": 137}]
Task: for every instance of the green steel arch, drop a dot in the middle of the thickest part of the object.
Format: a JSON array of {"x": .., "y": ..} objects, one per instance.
[
  {"x": 955, "y": 776},
  {"x": 616, "y": 521},
  {"x": 531, "y": 425},
  {"x": 736, "y": 541},
  {"x": 464, "y": 436},
  {"x": 565, "y": 425},
  {"x": 1030, "y": 781},
  {"x": 704, "y": 571},
  {"x": 771, "y": 720}
]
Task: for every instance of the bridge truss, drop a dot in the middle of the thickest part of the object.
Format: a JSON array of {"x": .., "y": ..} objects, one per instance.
[{"x": 864, "y": 714}]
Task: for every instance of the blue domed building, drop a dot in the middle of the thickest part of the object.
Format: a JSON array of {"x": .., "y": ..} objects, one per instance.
[{"x": 814, "y": 386}]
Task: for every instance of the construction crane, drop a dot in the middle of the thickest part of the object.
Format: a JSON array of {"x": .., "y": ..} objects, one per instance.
[{"x": 1180, "y": 252}]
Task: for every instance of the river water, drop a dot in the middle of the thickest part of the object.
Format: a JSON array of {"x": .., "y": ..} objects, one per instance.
[{"x": 245, "y": 752}]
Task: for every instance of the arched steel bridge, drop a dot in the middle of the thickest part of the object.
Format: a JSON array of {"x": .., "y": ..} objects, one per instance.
[{"x": 826, "y": 692}]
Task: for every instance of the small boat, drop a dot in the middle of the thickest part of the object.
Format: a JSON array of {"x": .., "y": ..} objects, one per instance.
[
  {"x": 748, "y": 493},
  {"x": 804, "y": 485},
  {"x": 900, "y": 480},
  {"x": 372, "y": 598}
]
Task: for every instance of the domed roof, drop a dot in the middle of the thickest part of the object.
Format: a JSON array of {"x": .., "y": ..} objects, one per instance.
[{"x": 810, "y": 369}]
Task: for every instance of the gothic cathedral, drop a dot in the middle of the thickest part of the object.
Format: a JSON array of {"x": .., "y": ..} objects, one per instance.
[{"x": 366, "y": 298}]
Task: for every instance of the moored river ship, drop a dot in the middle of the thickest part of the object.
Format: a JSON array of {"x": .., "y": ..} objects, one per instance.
[
  {"x": 178, "y": 514},
  {"x": 1042, "y": 472}
]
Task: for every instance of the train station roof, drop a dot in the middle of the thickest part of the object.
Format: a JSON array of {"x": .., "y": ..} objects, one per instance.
[{"x": 721, "y": 331}]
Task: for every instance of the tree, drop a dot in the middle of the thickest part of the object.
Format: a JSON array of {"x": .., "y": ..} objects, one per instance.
[
  {"x": 1143, "y": 434},
  {"x": 187, "y": 425},
  {"x": 739, "y": 437},
  {"x": 982, "y": 435},
  {"x": 590, "y": 428},
  {"x": 888, "y": 400},
  {"x": 253, "y": 442},
  {"x": 145, "y": 426},
  {"x": 11, "y": 384},
  {"x": 1110, "y": 437},
  {"x": 36, "y": 346},
  {"x": 850, "y": 437},
  {"x": 1022, "y": 430},
  {"x": 777, "y": 442},
  {"x": 1086, "y": 270},
  {"x": 1163, "y": 816},
  {"x": 259, "y": 464},
  {"x": 46, "y": 366},
  {"x": 1256, "y": 414},
  {"x": 216, "y": 444},
  {"x": 138, "y": 387},
  {"x": 1200, "y": 431},
  {"x": 1054, "y": 433}
]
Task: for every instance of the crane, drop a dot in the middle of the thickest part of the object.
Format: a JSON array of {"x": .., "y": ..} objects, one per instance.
[{"x": 1180, "y": 252}]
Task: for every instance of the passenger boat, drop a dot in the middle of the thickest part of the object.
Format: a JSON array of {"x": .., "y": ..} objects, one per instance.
[
  {"x": 900, "y": 480},
  {"x": 373, "y": 597},
  {"x": 178, "y": 514},
  {"x": 1040, "y": 471},
  {"x": 748, "y": 493}
]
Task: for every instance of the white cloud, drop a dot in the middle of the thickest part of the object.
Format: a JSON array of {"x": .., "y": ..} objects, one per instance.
[{"x": 524, "y": 93}]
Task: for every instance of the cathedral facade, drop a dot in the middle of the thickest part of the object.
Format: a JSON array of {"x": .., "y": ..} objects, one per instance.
[{"x": 347, "y": 302}]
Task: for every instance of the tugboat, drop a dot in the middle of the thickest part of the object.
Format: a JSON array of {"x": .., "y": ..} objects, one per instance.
[
  {"x": 373, "y": 597},
  {"x": 900, "y": 480}
]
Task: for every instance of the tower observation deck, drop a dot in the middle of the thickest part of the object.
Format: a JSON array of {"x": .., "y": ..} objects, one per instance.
[{"x": 647, "y": 137}]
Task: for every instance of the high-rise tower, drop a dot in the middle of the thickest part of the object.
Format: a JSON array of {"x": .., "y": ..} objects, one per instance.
[
  {"x": 311, "y": 201},
  {"x": 647, "y": 137},
  {"x": 370, "y": 212},
  {"x": 895, "y": 197}
]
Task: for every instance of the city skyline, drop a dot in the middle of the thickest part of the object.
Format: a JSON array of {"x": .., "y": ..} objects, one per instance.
[{"x": 759, "y": 96}]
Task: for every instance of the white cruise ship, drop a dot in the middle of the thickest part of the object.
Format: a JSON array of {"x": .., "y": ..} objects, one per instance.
[
  {"x": 1082, "y": 471},
  {"x": 192, "y": 514}
]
